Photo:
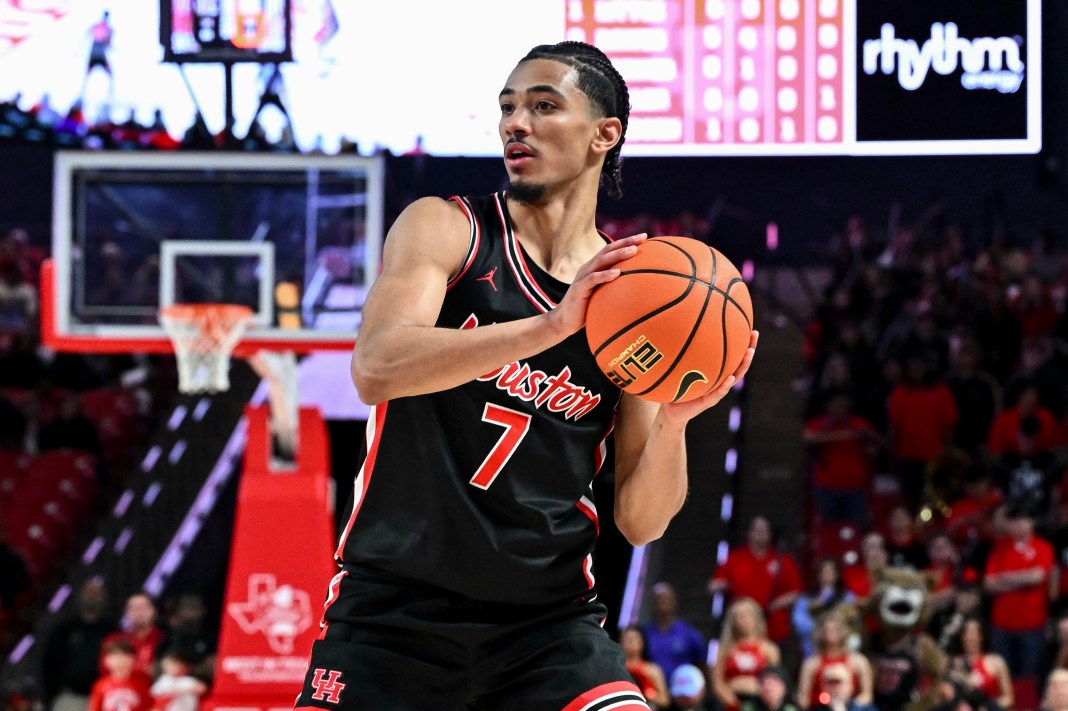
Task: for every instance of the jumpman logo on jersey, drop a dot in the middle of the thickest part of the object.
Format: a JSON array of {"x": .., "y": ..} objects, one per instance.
[{"x": 488, "y": 276}]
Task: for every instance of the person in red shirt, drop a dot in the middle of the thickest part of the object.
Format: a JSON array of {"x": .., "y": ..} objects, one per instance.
[
  {"x": 1017, "y": 579},
  {"x": 140, "y": 630},
  {"x": 841, "y": 447},
  {"x": 1026, "y": 429},
  {"x": 874, "y": 557},
  {"x": 921, "y": 413},
  {"x": 122, "y": 687},
  {"x": 759, "y": 571},
  {"x": 972, "y": 513}
]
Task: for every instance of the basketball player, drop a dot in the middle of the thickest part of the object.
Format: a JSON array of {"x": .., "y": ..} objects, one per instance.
[
  {"x": 466, "y": 580},
  {"x": 100, "y": 34}
]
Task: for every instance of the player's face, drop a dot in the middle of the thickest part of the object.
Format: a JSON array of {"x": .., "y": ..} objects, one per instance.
[{"x": 546, "y": 126}]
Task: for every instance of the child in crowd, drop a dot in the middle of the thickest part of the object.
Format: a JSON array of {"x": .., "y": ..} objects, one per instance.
[
  {"x": 122, "y": 687},
  {"x": 176, "y": 689}
]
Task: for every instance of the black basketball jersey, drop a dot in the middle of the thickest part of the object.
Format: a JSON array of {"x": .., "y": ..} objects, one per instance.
[{"x": 485, "y": 489}]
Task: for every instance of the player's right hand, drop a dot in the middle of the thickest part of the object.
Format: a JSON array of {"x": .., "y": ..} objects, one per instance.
[{"x": 570, "y": 314}]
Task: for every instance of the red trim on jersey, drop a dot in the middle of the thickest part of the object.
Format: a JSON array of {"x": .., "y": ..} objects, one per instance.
[
  {"x": 363, "y": 477},
  {"x": 472, "y": 249},
  {"x": 586, "y": 506},
  {"x": 587, "y": 570},
  {"x": 601, "y": 453},
  {"x": 331, "y": 597},
  {"x": 623, "y": 689},
  {"x": 514, "y": 254}
]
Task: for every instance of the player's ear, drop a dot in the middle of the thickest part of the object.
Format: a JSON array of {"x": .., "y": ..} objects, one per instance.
[{"x": 609, "y": 131}]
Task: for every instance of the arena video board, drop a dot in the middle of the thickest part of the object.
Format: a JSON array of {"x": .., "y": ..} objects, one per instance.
[
  {"x": 707, "y": 77},
  {"x": 225, "y": 30}
]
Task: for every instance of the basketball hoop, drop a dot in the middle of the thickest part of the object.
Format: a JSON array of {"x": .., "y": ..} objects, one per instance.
[{"x": 204, "y": 336}]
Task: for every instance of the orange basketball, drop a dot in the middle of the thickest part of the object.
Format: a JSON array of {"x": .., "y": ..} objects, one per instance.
[{"x": 674, "y": 324}]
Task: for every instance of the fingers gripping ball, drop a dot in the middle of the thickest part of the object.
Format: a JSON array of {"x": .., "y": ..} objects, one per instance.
[{"x": 674, "y": 324}]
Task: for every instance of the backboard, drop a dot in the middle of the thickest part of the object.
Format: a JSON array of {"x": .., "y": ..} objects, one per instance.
[{"x": 296, "y": 238}]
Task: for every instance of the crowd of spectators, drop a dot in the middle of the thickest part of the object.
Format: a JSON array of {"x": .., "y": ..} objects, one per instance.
[
  {"x": 935, "y": 422},
  {"x": 935, "y": 428},
  {"x": 142, "y": 661},
  {"x": 58, "y": 460}
]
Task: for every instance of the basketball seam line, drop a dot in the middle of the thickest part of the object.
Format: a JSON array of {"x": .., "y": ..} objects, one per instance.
[
  {"x": 659, "y": 310},
  {"x": 685, "y": 346},
  {"x": 725, "y": 294}
]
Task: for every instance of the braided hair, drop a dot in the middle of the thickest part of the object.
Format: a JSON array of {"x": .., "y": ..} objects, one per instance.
[{"x": 599, "y": 80}]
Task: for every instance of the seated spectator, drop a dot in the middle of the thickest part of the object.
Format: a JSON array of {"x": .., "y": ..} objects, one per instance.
[
  {"x": 186, "y": 630},
  {"x": 647, "y": 675},
  {"x": 671, "y": 642},
  {"x": 72, "y": 649},
  {"x": 841, "y": 446},
  {"x": 1025, "y": 430},
  {"x": 687, "y": 688},
  {"x": 16, "y": 249},
  {"x": 922, "y": 414},
  {"x": 122, "y": 686},
  {"x": 1044, "y": 365},
  {"x": 140, "y": 630},
  {"x": 902, "y": 546},
  {"x": 175, "y": 689},
  {"x": 946, "y": 624},
  {"x": 858, "y": 578},
  {"x": 1034, "y": 307},
  {"x": 972, "y": 513},
  {"x": 1017, "y": 580},
  {"x": 974, "y": 666},
  {"x": 943, "y": 569},
  {"x": 744, "y": 652},
  {"x": 1056, "y": 696},
  {"x": 774, "y": 692},
  {"x": 70, "y": 429},
  {"x": 827, "y": 592},
  {"x": 834, "y": 673},
  {"x": 18, "y": 300},
  {"x": 760, "y": 572}
]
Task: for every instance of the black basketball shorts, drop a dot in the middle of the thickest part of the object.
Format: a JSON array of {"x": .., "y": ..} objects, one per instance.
[{"x": 391, "y": 646}]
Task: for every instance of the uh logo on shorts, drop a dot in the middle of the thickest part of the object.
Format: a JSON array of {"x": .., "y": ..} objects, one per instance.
[{"x": 328, "y": 686}]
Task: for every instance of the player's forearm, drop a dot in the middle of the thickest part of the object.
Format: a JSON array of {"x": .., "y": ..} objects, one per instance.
[
  {"x": 649, "y": 496},
  {"x": 406, "y": 360}
]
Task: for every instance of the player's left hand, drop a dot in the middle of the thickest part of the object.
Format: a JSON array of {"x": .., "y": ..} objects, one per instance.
[{"x": 682, "y": 412}]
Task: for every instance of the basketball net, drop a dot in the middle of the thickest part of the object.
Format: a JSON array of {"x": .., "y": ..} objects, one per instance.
[{"x": 204, "y": 336}]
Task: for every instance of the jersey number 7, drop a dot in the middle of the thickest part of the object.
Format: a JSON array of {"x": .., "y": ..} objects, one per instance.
[{"x": 515, "y": 426}]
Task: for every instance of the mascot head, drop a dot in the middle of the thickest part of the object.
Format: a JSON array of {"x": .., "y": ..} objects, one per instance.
[{"x": 900, "y": 599}]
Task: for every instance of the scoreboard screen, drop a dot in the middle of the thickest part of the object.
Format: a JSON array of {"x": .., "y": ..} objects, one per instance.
[
  {"x": 226, "y": 30},
  {"x": 706, "y": 77},
  {"x": 715, "y": 77}
]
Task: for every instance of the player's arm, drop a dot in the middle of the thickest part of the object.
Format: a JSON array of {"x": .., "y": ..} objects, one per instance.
[
  {"x": 651, "y": 478},
  {"x": 400, "y": 352}
]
